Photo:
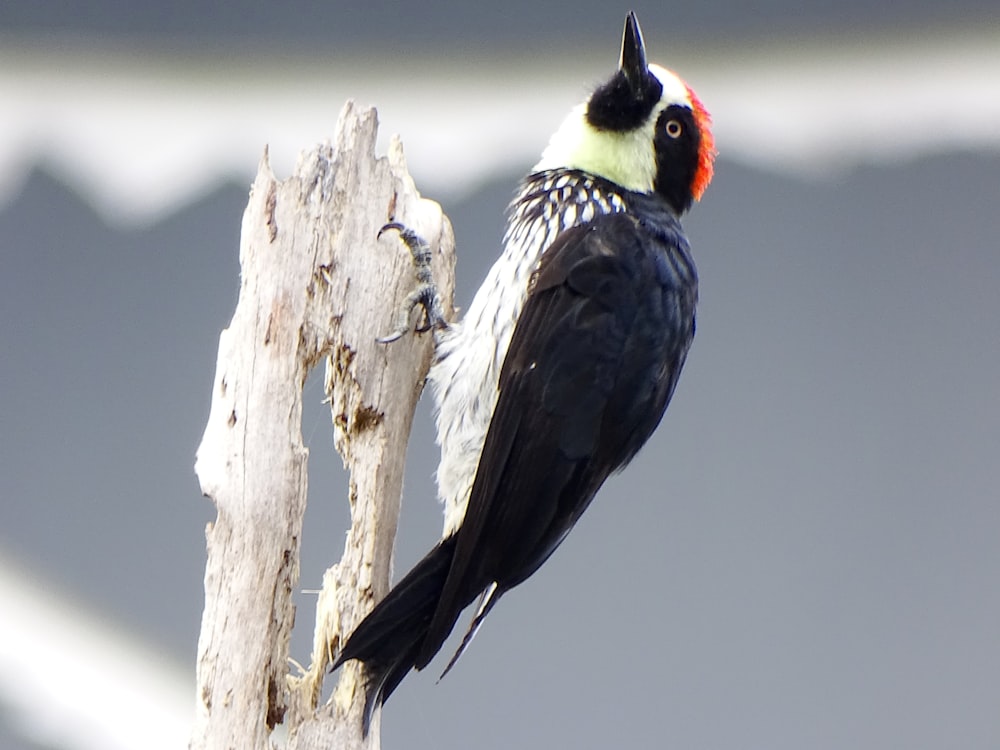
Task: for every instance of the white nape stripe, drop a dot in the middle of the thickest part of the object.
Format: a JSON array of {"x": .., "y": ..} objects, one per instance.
[{"x": 675, "y": 91}]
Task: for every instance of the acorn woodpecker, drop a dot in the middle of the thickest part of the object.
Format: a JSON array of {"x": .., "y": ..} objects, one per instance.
[{"x": 565, "y": 361}]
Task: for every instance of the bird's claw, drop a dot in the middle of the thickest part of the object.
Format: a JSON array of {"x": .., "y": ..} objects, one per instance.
[{"x": 425, "y": 293}]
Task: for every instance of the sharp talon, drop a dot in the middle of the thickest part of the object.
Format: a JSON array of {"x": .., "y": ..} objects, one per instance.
[
  {"x": 394, "y": 336},
  {"x": 424, "y": 294},
  {"x": 391, "y": 225}
]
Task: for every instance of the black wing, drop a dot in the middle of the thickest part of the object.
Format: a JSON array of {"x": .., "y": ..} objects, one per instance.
[{"x": 591, "y": 367}]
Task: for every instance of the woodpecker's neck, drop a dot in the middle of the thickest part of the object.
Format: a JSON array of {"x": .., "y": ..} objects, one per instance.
[
  {"x": 562, "y": 198},
  {"x": 624, "y": 158}
]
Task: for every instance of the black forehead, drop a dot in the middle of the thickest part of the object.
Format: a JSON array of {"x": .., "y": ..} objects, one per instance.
[{"x": 618, "y": 107}]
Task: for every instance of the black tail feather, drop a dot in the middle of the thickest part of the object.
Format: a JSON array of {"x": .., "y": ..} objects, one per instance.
[
  {"x": 389, "y": 638},
  {"x": 382, "y": 685}
]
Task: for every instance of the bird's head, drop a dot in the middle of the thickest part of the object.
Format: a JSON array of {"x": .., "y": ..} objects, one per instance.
[{"x": 644, "y": 130}]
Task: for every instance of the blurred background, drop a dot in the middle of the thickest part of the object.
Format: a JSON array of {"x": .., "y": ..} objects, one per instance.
[{"x": 806, "y": 554}]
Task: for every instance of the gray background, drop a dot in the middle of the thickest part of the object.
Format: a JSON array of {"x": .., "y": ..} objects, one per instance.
[{"x": 804, "y": 556}]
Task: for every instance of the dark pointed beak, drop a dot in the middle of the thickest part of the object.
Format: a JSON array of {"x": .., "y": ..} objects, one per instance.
[{"x": 633, "y": 59}]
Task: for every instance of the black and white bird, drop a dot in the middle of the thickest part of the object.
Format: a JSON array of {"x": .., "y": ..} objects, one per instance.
[{"x": 565, "y": 361}]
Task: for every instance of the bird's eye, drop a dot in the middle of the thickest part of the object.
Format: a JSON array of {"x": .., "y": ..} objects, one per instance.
[{"x": 674, "y": 128}]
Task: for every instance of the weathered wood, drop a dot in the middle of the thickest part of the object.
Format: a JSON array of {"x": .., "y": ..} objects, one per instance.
[{"x": 316, "y": 284}]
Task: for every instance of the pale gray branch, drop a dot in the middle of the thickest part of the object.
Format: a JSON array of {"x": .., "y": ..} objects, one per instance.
[{"x": 316, "y": 284}]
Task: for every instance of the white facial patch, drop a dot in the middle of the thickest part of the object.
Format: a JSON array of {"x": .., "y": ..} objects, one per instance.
[
  {"x": 675, "y": 91},
  {"x": 626, "y": 159}
]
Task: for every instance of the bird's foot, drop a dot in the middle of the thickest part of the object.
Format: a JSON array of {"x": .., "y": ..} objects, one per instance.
[{"x": 425, "y": 293}]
